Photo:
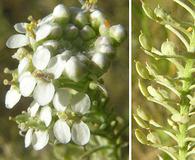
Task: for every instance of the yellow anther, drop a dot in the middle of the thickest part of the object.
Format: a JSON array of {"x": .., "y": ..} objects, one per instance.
[
  {"x": 6, "y": 82},
  {"x": 189, "y": 29},
  {"x": 8, "y": 71}
]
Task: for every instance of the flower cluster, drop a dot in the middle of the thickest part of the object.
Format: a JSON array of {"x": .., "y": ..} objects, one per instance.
[{"x": 57, "y": 56}]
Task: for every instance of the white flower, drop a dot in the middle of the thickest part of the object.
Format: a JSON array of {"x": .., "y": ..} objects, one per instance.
[
  {"x": 17, "y": 41},
  {"x": 61, "y": 13},
  {"x": 56, "y": 66},
  {"x": 28, "y": 138},
  {"x": 46, "y": 115},
  {"x": 75, "y": 69},
  {"x": 33, "y": 108},
  {"x": 20, "y": 27},
  {"x": 62, "y": 99},
  {"x": 41, "y": 57},
  {"x": 117, "y": 32},
  {"x": 27, "y": 84},
  {"x": 80, "y": 133},
  {"x": 40, "y": 139},
  {"x": 44, "y": 92},
  {"x": 62, "y": 131},
  {"x": 46, "y": 19},
  {"x": 80, "y": 103},
  {"x": 12, "y": 97},
  {"x": 23, "y": 65}
]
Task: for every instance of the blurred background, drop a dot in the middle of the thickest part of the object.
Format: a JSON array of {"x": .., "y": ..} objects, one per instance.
[
  {"x": 13, "y": 11},
  {"x": 156, "y": 34}
]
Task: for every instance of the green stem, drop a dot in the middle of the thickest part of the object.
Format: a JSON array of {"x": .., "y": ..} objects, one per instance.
[{"x": 184, "y": 110}]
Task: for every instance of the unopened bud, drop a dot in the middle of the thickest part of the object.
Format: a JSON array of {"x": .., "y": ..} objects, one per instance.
[
  {"x": 117, "y": 32},
  {"x": 71, "y": 31},
  {"x": 87, "y": 32},
  {"x": 61, "y": 14},
  {"x": 96, "y": 18}
]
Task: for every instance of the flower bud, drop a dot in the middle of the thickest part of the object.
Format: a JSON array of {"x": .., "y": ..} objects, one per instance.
[
  {"x": 96, "y": 19},
  {"x": 101, "y": 60},
  {"x": 117, "y": 32},
  {"x": 51, "y": 44},
  {"x": 75, "y": 69},
  {"x": 106, "y": 49},
  {"x": 103, "y": 40},
  {"x": 71, "y": 31},
  {"x": 61, "y": 14},
  {"x": 80, "y": 19},
  {"x": 103, "y": 30},
  {"x": 140, "y": 136},
  {"x": 87, "y": 33}
]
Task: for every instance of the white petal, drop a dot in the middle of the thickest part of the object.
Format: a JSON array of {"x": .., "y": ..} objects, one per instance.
[
  {"x": 23, "y": 65},
  {"x": 17, "y": 41},
  {"x": 43, "y": 32},
  {"x": 28, "y": 138},
  {"x": 12, "y": 98},
  {"x": 56, "y": 67},
  {"x": 33, "y": 108},
  {"x": 45, "y": 20},
  {"x": 27, "y": 84},
  {"x": 80, "y": 103},
  {"x": 46, "y": 115},
  {"x": 41, "y": 57},
  {"x": 75, "y": 69},
  {"x": 65, "y": 55},
  {"x": 51, "y": 43},
  {"x": 62, "y": 131},
  {"x": 40, "y": 139},
  {"x": 20, "y": 27},
  {"x": 80, "y": 133},
  {"x": 44, "y": 93},
  {"x": 62, "y": 99}
]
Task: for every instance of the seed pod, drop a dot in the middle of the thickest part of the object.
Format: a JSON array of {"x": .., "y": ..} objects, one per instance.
[
  {"x": 153, "y": 137},
  {"x": 71, "y": 31},
  {"x": 143, "y": 41},
  {"x": 61, "y": 14},
  {"x": 142, "y": 114},
  {"x": 148, "y": 11},
  {"x": 140, "y": 122},
  {"x": 154, "y": 93},
  {"x": 117, "y": 32},
  {"x": 142, "y": 71},
  {"x": 87, "y": 33},
  {"x": 140, "y": 136},
  {"x": 168, "y": 48},
  {"x": 96, "y": 18},
  {"x": 143, "y": 89}
]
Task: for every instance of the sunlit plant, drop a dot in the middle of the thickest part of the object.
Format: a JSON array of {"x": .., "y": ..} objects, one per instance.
[
  {"x": 62, "y": 58},
  {"x": 173, "y": 92}
]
